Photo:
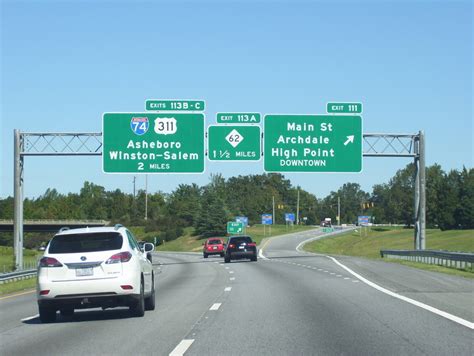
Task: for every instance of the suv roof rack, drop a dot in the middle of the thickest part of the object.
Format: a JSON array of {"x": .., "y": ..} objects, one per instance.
[
  {"x": 64, "y": 228},
  {"x": 117, "y": 226}
]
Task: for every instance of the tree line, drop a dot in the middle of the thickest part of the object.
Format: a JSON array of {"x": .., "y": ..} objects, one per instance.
[{"x": 449, "y": 196}]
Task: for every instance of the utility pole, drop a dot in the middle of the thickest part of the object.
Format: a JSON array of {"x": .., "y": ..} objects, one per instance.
[
  {"x": 273, "y": 217},
  {"x": 338, "y": 211},
  {"x": 134, "y": 179},
  {"x": 298, "y": 208},
  {"x": 146, "y": 197}
]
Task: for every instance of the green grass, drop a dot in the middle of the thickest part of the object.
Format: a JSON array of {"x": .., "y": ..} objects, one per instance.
[
  {"x": 368, "y": 243},
  {"x": 188, "y": 242},
  {"x": 358, "y": 244},
  {"x": 18, "y": 286},
  {"x": 7, "y": 260}
]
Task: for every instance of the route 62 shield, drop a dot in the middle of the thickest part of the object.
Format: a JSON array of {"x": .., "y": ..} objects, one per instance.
[{"x": 139, "y": 125}]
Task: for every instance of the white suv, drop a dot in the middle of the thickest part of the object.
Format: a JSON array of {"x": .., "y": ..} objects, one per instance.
[{"x": 95, "y": 267}]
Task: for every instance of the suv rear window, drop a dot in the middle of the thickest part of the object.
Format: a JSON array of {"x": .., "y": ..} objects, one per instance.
[
  {"x": 93, "y": 242},
  {"x": 240, "y": 239}
]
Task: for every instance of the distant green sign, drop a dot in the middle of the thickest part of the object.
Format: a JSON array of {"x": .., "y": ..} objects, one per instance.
[
  {"x": 234, "y": 227},
  {"x": 153, "y": 143},
  {"x": 234, "y": 143},
  {"x": 238, "y": 118},
  {"x": 312, "y": 143},
  {"x": 344, "y": 108},
  {"x": 174, "y": 105}
]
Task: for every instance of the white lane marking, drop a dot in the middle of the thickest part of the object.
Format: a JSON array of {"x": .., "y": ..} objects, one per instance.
[
  {"x": 227, "y": 289},
  {"x": 231, "y": 272},
  {"x": 30, "y": 317},
  {"x": 232, "y": 278},
  {"x": 434, "y": 310},
  {"x": 319, "y": 269},
  {"x": 346, "y": 278},
  {"x": 332, "y": 273},
  {"x": 215, "y": 306},
  {"x": 338, "y": 275},
  {"x": 182, "y": 347},
  {"x": 260, "y": 254},
  {"x": 227, "y": 268},
  {"x": 355, "y": 281}
]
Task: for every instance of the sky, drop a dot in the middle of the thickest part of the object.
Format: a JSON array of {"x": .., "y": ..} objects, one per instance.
[{"x": 65, "y": 63}]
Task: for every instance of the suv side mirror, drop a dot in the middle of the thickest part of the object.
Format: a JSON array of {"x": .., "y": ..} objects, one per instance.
[{"x": 147, "y": 247}]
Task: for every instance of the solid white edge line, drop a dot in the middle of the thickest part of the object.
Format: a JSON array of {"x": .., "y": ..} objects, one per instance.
[
  {"x": 434, "y": 310},
  {"x": 260, "y": 254},
  {"x": 30, "y": 317},
  {"x": 182, "y": 347},
  {"x": 215, "y": 306}
]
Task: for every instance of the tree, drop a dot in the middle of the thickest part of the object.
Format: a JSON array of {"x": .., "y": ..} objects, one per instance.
[
  {"x": 464, "y": 213},
  {"x": 213, "y": 215}
]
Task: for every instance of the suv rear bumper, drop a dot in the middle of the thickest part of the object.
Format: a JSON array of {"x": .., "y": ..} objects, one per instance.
[
  {"x": 242, "y": 254},
  {"x": 91, "y": 300}
]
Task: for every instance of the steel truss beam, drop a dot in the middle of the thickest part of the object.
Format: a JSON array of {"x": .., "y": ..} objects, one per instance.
[{"x": 90, "y": 144}]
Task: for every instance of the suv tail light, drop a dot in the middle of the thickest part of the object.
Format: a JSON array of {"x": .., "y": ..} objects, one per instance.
[
  {"x": 49, "y": 262},
  {"x": 231, "y": 245},
  {"x": 119, "y": 257},
  {"x": 252, "y": 244}
]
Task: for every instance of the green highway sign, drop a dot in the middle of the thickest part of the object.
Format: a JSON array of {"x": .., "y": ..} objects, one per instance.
[
  {"x": 234, "y": 143},
  {"x": 238, "y": 118},
  {"x": 234, "y": 227},
  {"x": 312, "y": 143},
  {"x": 153, "y": 143},
  {"x": 174, "y": 105},
  {"x": 344, "y": 108}
]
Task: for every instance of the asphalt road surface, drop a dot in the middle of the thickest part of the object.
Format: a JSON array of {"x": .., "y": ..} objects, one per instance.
[{"x": 288, "y": 303}]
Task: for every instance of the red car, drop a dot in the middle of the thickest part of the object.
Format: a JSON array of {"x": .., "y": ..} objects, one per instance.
[{"x": 214, "y": 246}]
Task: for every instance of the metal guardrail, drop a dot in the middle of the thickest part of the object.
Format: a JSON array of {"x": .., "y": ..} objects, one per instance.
[
  {"x": 16, "y": 276},
  {"x": 460, "y": 260}
]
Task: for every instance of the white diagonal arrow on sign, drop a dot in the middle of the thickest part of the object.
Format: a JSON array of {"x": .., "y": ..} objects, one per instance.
[{"x": 350, "y": 139}]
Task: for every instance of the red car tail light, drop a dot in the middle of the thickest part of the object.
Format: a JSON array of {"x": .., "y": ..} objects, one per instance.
[
  {"x": 231, "y": 245},
  {"x": 44, "y": 292},
  {"x": 49, "y": 262},
  {"x": 119, "y": 257},
  {"x": 126, "y": 287}
]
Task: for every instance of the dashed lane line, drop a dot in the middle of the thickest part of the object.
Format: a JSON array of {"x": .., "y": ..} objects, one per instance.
[
  {"x": 182, "y": 347},
  {"x": 215, "y": 306}
]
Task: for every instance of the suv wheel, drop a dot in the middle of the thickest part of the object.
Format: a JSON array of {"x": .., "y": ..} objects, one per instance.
[
  {"x": 138, "y": 309},
  {"x": 226, "y": 259},
  {"x": 47, "y": 314},
  {"x": 150, "y": 301},
  {"x": 205, "y": 255}
]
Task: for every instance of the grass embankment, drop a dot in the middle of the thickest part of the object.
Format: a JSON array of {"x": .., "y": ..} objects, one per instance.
[
  {"x": 368, "y": 243},
  {"x": 192, "y": 243},
  {"x": 18, "y": 286},
  {"x": 7, "y": 260}
]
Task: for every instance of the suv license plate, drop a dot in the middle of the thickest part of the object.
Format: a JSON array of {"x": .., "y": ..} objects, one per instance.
[{"x": 80, "y": 272}]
